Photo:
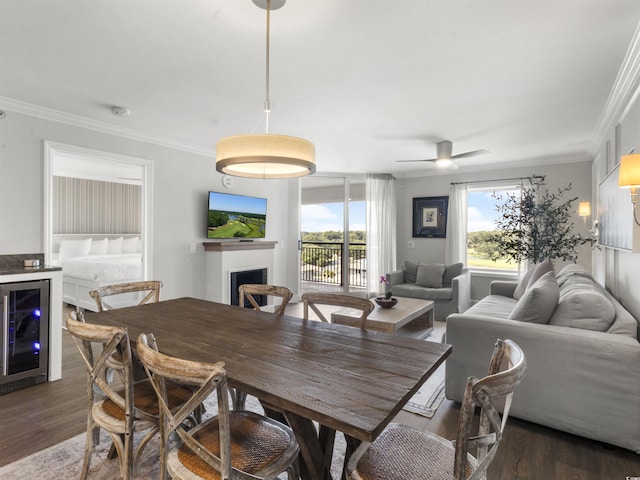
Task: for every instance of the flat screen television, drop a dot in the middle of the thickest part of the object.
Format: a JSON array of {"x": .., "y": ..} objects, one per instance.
[{"x": 236, "y": 216}]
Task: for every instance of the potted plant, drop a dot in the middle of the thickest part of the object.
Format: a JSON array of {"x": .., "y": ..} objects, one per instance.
[
  {"x": 387, "y": 301},
  {"x": 537, "y": 225}
]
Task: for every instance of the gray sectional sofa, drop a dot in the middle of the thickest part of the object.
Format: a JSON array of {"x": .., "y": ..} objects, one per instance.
[
  {"x": 447, "y": 285},
  {"x": 582, "y": 352}
]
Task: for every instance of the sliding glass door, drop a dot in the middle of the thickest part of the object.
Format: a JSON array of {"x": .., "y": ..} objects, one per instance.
[{"x": 333, "y": 234}]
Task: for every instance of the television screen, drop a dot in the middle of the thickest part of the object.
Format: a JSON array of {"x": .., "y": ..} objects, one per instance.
[{"x": 236, "y": 216}]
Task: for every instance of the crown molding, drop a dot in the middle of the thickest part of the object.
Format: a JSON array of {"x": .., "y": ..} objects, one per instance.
[
  {"x": 102, "y": 127},
  {"x": 626, "y": 89}
]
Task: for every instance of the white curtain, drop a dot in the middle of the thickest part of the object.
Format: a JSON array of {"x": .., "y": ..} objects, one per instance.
[
  {"x": 381, "y": 229},
  {"x": 456, "y": 241}
]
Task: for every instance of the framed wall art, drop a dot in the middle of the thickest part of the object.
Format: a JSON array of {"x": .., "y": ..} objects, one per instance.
[{"x": 430, "y": 217}]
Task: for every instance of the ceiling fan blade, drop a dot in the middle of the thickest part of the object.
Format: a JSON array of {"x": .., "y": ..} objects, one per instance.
[
  {"x": 420, "y": 160},
  {"x": 470, "y": 154}
]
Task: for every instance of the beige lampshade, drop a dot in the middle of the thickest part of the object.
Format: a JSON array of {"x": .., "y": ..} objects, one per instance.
[
  {"x": 584, "y": 209},
  {"x": 629, "y": 175},
  {"x": 265, "y": 156}
]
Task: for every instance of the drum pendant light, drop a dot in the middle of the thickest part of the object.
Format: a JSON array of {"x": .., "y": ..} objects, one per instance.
[{"x": 265, "y": 155}]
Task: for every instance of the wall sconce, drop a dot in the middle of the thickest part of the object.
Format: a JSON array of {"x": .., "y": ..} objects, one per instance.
[
  {"x": 584, "y": 210},
  {"x": 630, "y": 177}
]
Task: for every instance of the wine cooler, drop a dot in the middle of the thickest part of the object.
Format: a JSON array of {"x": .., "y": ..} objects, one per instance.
[{"x": 24, "y": 338}]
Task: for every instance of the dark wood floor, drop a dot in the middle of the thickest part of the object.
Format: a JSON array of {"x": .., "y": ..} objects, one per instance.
[{"x": 43, "y": 415}]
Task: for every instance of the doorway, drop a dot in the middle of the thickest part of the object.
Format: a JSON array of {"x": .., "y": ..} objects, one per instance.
[
  {"x": 333, "y": 234},
  {"x": 61, "y": 160}
]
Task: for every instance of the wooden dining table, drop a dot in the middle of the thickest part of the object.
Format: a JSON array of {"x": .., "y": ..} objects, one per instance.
[{"x": 345, "y": 379}]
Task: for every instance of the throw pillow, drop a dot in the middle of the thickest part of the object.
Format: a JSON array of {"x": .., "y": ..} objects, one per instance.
[
  {"x": 522, "y": 284},
  {"x": 532, "y": 276},
  {"x": 410, "y": 271},
  {"x": 74, "y": 248},
  {"x": 451, "y": 272},
  {"x": 430, "y": 275},
  {"x": 115, "y": 246},
  {"x": 541, "y": 268},
  {"x": 99, "y": 247},
  {"x": 538, "y": 302}
]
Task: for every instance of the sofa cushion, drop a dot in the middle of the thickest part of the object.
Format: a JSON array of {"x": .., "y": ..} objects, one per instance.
[
  {"x": 495, "y": 306},
  {"x": 583, "y": 305},
  {"x": 538, "y": 302},
  {"x": 410, "y": 271},
  {"x": 451, "y": 272},
  {"x": 571, "y": 272},
  {"x": 430, "y": 275},
  {"x": 412, "y": 290}
]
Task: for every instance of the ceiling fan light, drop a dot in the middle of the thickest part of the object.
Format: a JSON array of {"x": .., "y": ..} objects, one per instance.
[
  {"x": 265, "y": 156},
  {"x": 444, "y": 162}
]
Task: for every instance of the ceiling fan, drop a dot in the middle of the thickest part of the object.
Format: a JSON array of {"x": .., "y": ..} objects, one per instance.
[{"x": 444, "y": 158}]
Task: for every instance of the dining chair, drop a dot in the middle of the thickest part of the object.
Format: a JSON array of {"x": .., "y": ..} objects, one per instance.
[
  {"x": 121, "y": 410},
  {"x": 405, "y": 453},
  {"x": 312, "y": 300},
  {"x": 248, "y": 290},
  {"x": 150, "y": 289},
  {"x": 232, "y": 444}
]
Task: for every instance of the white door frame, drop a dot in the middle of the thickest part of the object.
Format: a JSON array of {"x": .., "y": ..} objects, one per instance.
[{"x": 51, "y": 149}]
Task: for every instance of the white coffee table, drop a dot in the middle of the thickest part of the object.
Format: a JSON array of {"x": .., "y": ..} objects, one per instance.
[{"x": 410, "y": 317}]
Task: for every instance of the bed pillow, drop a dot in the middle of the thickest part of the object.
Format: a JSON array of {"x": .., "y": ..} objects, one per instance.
[
  {"x": 430, "y": 275},
  {"x": 538, "y": 302},
  {"x": 131, "y": 245},
  {"x": 74, "y": 248},
  {"x": 115, "y": 246},
  {"x": 99, "y": 247}
]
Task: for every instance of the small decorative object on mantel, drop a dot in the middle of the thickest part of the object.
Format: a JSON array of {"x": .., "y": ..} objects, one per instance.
[{"x": 387, "y": 301}]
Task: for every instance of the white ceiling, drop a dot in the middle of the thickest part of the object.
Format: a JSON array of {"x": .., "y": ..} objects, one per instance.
[{"x": 368, "y": 81}]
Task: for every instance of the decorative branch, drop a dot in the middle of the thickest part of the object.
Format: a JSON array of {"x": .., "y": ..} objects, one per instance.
[{"x": 537, "y": 225}]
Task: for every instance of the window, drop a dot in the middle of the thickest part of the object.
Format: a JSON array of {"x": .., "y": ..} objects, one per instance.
[{"x": 481, "y": 227}]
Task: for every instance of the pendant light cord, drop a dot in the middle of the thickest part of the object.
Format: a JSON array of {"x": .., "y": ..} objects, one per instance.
[{"x": 267, "y": 103}]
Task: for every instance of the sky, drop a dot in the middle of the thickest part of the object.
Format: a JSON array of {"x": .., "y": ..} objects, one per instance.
[
  {"x": 328, "y": 216},
  {"x": 481, "y": 213},
  {"x": 237, "y": 203}
]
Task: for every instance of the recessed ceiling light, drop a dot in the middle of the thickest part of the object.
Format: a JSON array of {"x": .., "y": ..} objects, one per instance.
[{"x": 120, "y": 111}]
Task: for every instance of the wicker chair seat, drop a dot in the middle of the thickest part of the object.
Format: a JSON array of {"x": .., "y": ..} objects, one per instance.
[
  {"x": 145, "y": 399},
  {"x": 404, "y": 453},
  {"x": 257, "y": 444}
]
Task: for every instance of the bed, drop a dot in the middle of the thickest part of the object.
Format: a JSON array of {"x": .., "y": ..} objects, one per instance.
[{"x": 90, "y": 262}]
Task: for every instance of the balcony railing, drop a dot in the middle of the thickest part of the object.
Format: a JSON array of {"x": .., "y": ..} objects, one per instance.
[{"x": 321, "y": 262}]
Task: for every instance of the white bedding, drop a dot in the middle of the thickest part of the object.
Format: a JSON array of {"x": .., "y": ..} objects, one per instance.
[{"x": 104, "y": 268}]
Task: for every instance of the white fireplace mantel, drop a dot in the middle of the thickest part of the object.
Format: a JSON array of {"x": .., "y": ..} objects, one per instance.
[{"x": 225, "y": 257}]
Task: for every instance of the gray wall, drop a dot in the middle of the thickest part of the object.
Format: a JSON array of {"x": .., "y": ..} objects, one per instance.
[
  {"x": 433, "y": 249},
  {"x": 180, "y": 185},
  {"x": 619, "y": 270}
]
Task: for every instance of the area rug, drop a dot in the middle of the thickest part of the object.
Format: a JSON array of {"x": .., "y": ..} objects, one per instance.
[
  {"x": 64, "y": 460},
  {"x": 429, "y": 397}
]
